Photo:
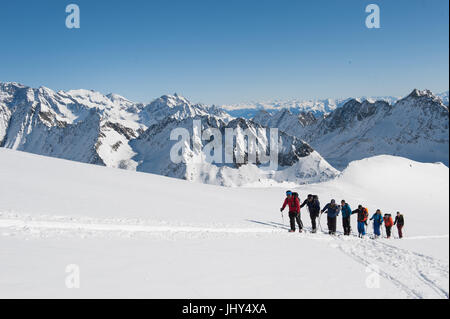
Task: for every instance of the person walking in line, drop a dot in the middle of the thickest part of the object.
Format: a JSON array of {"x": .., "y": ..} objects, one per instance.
[
  {"x": 400, "y": 222},
  {"x": 346, "y": 217},
  {"x": 293, "y": 201},
  {"x": 388, "y": 223},
  {"x": 332, "y": 210},
  {"x": 363, "y": 215},
  {"x": 314, "y": 209},
  {"x": 377, "y": 222}
]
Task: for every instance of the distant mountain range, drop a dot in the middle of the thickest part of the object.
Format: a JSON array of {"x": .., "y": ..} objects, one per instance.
[
  {"x": 318, "y": 107},
  {"x": 110, "y": 130},
  {"x": 415, "y": 127}
]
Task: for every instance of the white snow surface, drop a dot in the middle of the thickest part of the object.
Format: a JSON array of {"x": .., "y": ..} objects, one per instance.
[{"x": 147, "y": 236}]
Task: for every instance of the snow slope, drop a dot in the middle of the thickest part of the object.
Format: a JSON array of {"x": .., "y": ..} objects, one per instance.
[{"x": 143, "y": 235}]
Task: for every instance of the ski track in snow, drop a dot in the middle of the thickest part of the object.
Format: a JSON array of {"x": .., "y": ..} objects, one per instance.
[
  {"x": 17, "y": 224},
  {"x": 418, "y": 275}
]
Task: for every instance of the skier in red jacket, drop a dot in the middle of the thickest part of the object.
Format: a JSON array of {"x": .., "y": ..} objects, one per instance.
[
  {"x": 388, "y": 223},
  {"x": 293, "y": 202}
]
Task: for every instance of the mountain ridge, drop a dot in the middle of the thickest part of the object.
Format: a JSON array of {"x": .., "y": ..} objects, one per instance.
[
  {"x": 90, "y": 127},
  {"x": 87, "y": 126}
]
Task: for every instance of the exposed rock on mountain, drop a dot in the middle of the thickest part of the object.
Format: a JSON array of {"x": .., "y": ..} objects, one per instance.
[{"x": 110, "y": 130}]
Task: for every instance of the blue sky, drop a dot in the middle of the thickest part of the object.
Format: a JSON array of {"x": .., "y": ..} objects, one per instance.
[{"x": 217, "y": 51}]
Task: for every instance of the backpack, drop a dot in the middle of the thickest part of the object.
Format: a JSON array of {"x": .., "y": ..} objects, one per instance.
[
  {"x": 365, "y": 213},
  {"x": 377, "y": 218},
  {"x": 316, "y": 204},
  {"x": 296, "y": 198},
  {"x": 388, "y": 220}
]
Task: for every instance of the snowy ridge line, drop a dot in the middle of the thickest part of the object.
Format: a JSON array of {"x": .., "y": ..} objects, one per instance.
[
  {"x": 72, "y": 228},
  {"x": 116, "y": 226},
  {"x": 19, "y": 225},
  {"x": 426, "y": 237},
  {"x": 135, "y": 225},
  {"x": 418, "y": 275},
  {"x": 13, "y": 223}
]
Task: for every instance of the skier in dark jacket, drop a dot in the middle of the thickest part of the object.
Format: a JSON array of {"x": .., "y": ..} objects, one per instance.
[
  {"x": 294, "y": 210},
  {"x": 332, "y": 210},
  {"x": 400, "y": 222},
  {"x": 314, "y": 209},
  {"x": 346, "y": 216},
  {"x": 377, "y": 222},
  {"x": 363, "y": 215}
]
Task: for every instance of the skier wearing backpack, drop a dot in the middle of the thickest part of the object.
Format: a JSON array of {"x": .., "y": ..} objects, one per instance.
[
  {"x": 332, "y": 210},
  {"x": 346, "y": 216},
  {"x": 314, "y": 209},
  {"x": 363, "y": 215},
  {"x": 293, "y": 201},
  {"x": 400, "y": 222},
  {"x": 377, "y": 222},
  {"x": 388, "y": 223}
]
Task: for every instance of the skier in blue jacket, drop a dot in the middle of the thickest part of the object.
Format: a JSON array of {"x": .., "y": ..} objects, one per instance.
[
  {"x": 332, "y": 210},
  {"x": 346, "y": 217},
  {"x": 377, "y": 222}
]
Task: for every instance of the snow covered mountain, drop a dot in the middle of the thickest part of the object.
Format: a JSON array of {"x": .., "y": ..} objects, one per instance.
[
  {"x": 444, "y": 97},
  {"x": 298, "y": 162},
  {"x": 179, "y": 108},
  {"x": 110, "y": 130},
  {"x": 79, "y": 125},
  {"x": 415, "y": 127},
  {"x": 286, "y": 121}
]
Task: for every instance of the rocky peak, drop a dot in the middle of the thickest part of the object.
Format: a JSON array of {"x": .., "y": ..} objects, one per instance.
[{"x": 307, "y": 118}]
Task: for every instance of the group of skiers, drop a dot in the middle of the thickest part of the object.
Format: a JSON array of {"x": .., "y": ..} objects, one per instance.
[{"x": 333, "y": 210}]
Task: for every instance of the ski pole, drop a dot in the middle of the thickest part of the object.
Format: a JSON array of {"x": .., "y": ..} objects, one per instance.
[{"x": 320, "y": 224}]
